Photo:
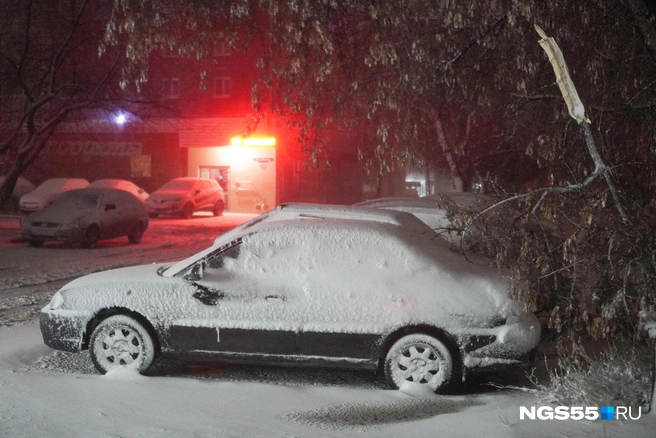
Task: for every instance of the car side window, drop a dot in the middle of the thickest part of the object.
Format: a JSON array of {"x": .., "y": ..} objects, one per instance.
[{"x": 216, "y": 259}]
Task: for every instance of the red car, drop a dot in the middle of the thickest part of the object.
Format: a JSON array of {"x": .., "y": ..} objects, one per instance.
[{"x": 184, "y": 196}]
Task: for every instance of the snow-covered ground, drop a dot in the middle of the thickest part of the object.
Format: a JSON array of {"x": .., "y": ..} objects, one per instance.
[{"x": 44, "y": 393}]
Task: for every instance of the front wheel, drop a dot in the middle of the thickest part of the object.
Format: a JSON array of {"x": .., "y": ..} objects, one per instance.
[
  {"x": 91, "y": 237},
  {"x": 419, "y": 359},
  {"x": 137, "y": 233},
  {"x": 121, "y": 341},
  {"x": 218, "y": 208},
  {"x": 188, "y": 210}
]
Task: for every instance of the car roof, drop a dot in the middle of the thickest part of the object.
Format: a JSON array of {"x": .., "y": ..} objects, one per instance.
[
  {"x": 295, "y": 213},
  {"x": 111, "y": 181}
]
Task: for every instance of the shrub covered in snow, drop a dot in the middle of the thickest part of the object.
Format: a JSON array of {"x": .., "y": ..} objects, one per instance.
[{"x": 617, "y": 376}]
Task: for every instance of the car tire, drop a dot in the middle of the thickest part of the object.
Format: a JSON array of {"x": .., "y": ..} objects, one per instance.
[
  {"x": 153, "y": 215},
  {"x": 91, "y": 237},
  {"x": 188, "y": 210},
  {"x": 419, "y": 359},
  {"x": 218, "y": 208},
  {"x": 121, "y": 341},
  {"x": 137, "y": 233},
  {"x": 35, "y": 243}
]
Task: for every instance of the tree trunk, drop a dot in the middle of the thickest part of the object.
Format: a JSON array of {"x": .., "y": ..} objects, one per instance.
[
  {"x": 456, "y": 175},
  {"x": 7, "y": 187}
]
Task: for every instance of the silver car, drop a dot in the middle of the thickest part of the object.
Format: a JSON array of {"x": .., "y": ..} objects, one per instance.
[
  {"x": 87, "y": 216},
  {"x": 304, "y": 285}
]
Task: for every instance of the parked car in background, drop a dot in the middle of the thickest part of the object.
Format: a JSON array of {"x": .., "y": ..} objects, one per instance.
[
  {"x": 184, "y": 196},
  {"x": 22, "y": 187},
  {"x": 431, "y": 209},
  {"x": 87, "y": 216},
  {"x": 48, "y": 191},
  {"x": 121, "y": 184},
  {"x": 267, "y": 292}
]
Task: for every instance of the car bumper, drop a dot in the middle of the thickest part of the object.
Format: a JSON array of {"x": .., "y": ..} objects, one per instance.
[
  {"x": 510, "y": 345},
  {"x": 167, "y": 209},
  {"x": 63, "y": 330},
  {"x": 62, "y": 235}
]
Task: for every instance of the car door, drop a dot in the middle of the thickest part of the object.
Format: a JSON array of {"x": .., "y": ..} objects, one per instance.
[
  {"x": 200, "y": 195},
  {"x": 349, "y": 276},
  {"x": 243, "y": 304},
  {"x": 114, "y": 217}
]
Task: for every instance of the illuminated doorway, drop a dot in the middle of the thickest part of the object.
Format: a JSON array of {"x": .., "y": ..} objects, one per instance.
[{"x": 221, "y": 175}]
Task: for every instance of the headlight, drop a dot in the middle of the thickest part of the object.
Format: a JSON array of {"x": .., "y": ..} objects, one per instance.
[
  {"x": 72, "y": 224},
  {"x": 56, "y": 301}
]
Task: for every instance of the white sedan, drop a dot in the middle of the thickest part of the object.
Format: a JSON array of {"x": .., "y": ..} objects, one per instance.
[
  {"x": 48, "y": 191},
  {"x": 121, "y": 184},
  {"x": 304, "y": 284}
]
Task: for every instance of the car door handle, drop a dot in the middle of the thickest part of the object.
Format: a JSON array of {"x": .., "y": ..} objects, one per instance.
[{"x": 274, "y": 298}]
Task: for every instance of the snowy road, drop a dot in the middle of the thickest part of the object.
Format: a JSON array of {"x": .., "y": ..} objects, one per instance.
[
  {"x": 30, "y": 276},
  {"x": 44, "y": 393}
]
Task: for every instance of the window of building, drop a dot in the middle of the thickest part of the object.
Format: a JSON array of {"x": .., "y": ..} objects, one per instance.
[
  {"x": 222, "y": 85},
  {"x": 220, "y": 49},
  {"x": 171, "y": 88}
]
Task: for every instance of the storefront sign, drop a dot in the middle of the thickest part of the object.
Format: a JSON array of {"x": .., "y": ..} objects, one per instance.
[
  {"x": 96, "y": 148},
  {"x": 263, "y": 160}
]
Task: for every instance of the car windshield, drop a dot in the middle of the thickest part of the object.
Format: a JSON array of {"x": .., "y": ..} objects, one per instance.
[
  {"x": 53, "y": 184},
  {"x": 178, "y": 184},
  {"x": 78, "y": 199}
]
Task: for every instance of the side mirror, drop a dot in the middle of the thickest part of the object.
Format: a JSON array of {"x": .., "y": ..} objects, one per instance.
[
  {"x": 197, "y": 271},
  {"x": 110, "y": 207}
]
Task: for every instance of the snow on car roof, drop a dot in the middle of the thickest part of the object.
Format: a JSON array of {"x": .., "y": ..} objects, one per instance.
[{"x": 298, "y": 212}]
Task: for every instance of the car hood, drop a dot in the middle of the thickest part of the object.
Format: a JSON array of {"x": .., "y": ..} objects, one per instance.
[
  {"x": 41, "y": 198},
  {"x": 168, "y": 194},
  {"x": 60, "y": 215},
  {"x": 117, "y": 276}
]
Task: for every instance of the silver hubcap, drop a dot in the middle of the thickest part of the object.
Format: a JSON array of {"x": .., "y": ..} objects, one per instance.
[
  {"x": 418, "y": 364},
  {"x": 121, "y": 346}
]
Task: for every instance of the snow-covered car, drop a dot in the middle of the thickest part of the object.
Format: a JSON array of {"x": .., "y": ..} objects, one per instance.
[
  {"x": 431, "y": 209},
  {"x": 87, "y": 216},
  {"x": 22, "y": 187},
  {"x": 121, "y": 184},
  {"x": 48, "y": 191},
  {"x": 184, "y": 196},
  {"x": 304, "y": 284}
]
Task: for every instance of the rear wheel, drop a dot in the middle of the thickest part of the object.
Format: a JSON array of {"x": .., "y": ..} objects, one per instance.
[
  {"x": 91, "y": 237},
  {"x": 121, "y": 341},
  {"x": 218, "y": 208},
  {"x": 35, "y": 243},
  {"x": 137, "y": 233},
  {"x": 419, "y": 359},
  {"x": 188, "y": 210}
]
